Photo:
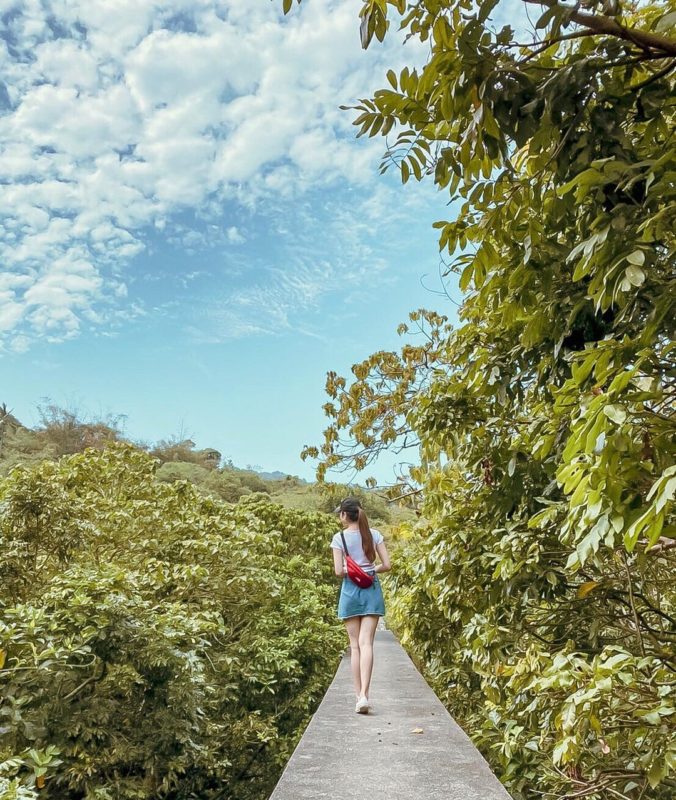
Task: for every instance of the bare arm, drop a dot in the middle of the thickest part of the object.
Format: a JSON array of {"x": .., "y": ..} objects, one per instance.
[
  {"x": 385, "y": 565},
  {"x": 338, "y": 562}
]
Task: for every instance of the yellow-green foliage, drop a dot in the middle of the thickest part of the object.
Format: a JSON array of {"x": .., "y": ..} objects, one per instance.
[
  {"x": 541, "y": 593},
  {"x": 153, "y": 642}
]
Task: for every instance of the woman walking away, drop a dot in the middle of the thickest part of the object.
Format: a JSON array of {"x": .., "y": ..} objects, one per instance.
[{"x": 360, "y": 607}]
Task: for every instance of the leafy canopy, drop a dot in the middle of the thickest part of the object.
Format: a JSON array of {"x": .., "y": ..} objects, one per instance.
[
  {"x": 540, "y": 591},
  {"x": 155, "y": 643}
]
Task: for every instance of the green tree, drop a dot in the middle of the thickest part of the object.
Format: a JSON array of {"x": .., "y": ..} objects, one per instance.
[
  {"x": 540, "y": 592},
  {"x": 155, "y": 643}
]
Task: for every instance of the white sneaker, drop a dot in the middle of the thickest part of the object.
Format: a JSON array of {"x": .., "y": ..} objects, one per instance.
[{"x": 362, "y": 706}]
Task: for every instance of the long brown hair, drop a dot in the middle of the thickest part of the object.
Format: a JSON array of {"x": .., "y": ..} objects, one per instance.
[
  {"x": 366, "y": 536},
  {"x": 355, "y": 513}
]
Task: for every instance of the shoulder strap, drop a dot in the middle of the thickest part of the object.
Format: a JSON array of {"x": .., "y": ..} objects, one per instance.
[{"x": 342, "y": 536}]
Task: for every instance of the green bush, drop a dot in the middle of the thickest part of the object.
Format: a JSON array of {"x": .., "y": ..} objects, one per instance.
[{"x": 156, "y": 643}]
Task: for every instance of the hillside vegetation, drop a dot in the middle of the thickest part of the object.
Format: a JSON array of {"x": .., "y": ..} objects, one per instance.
[
  {"x": 157, "y": 640},
  {"x": 61, "y": 431}
]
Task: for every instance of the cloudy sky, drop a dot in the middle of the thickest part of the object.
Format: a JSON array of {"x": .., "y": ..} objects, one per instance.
[{"x": 190, "y": 234}]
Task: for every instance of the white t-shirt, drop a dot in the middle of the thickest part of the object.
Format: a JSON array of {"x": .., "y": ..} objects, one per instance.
[{"x": 354, "y": 548}]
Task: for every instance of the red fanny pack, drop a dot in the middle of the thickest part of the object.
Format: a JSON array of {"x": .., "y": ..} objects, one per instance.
[{"x": 354, "y": 572}]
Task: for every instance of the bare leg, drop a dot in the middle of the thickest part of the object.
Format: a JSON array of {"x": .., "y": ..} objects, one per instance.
[
  {"x": 353, "y": 625},
  {"x": 367, "y": 633}
]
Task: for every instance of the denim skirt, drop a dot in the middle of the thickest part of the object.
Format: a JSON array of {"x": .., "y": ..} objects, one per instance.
[{"x": 357, "y": 602}]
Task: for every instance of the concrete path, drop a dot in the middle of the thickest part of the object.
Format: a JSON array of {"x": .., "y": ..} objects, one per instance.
[{"x": 347, "y": 756}]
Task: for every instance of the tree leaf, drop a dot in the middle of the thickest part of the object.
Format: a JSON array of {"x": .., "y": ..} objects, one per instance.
[
  {"x": 637, "y": 257},
  {"x": 584, "y": 589},
  {"x": 616, "y": 413}
]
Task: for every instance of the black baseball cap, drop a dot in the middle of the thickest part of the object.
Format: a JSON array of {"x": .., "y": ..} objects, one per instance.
[{"x": 348, "y": 504}]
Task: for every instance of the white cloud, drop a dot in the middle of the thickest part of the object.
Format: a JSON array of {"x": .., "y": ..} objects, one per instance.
[
  {"x": 235, "y": 236},
  {"x": 125, "y": 114},
  {"x": 325, "y": 250},
  {"x": 67, "y": 63},
  {"x": 20, "y": 343},
  {"x": 11, "y": 312}
]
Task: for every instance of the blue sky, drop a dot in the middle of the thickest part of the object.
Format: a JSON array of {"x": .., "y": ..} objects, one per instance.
[{"x": 190, "y": 233}]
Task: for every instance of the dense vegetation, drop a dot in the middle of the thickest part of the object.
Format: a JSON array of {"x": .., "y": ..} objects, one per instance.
[
  {"x": 167, "y": 622},
  {"x": 62, "y": 431},
  {"x": 155, "y": 642},
  {"x": 540, "y": 595}
]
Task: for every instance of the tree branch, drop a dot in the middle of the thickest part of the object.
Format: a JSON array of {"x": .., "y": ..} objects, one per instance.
[
  {"x": 542, "y": 46},
  {"x": 642, "y": 85},
  {"x": 607, "y": 25},
  {"x": 664, "y": 543},
  {"x": 633, "y": 606},
  {"x": 402, "y": 496}
]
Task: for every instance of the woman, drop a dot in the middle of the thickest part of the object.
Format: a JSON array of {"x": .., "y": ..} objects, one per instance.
[{"x": 360, "y": 608}]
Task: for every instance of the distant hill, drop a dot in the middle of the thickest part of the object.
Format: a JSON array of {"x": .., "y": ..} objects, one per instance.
[
  {"x": 63, "y": 432},
  {"x": 278, "y": 476}
]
